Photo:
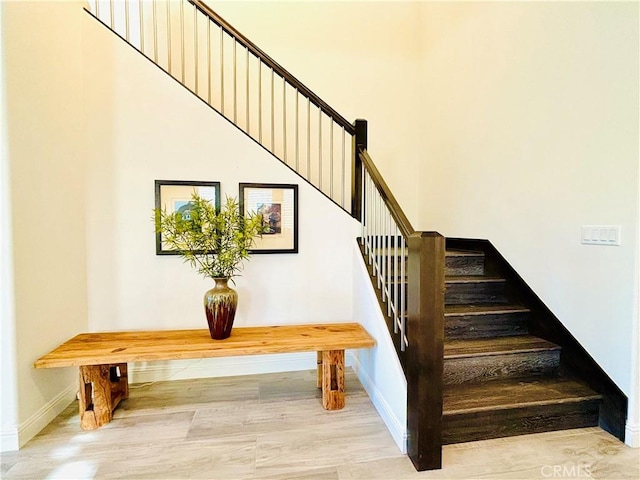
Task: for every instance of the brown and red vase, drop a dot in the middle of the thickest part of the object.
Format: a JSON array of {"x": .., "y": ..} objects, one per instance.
[{"x": 220, "y": 305}]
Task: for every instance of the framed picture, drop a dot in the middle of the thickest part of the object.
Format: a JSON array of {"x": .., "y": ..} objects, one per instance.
[
  {"x": 278, "y": 205},
  {"x": 175, "y": 196}
]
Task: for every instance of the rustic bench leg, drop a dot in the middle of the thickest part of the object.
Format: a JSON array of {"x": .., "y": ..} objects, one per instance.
[
  {"x": 333, "y": 379},
  {"x": 101, "y": 389}
]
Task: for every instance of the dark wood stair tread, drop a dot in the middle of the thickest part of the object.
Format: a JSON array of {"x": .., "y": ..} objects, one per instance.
[
  {"x": 461, "y": 279},
  {"x": 461, "y": 348},
  {"x": 482, "y": 309},
  {"x": 508, "y": 394},
  {"x": 463, "y": 253},
  {"x": 457, "y": 279},
  {"x": 447, "y": 253}
]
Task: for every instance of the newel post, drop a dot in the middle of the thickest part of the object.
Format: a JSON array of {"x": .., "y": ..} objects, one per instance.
[
  {"x": 425, "y": 329},
  {"x": 359, "y": 141}
]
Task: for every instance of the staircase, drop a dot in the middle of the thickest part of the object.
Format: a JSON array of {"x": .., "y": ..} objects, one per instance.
[{"x": 499, "y": 380}]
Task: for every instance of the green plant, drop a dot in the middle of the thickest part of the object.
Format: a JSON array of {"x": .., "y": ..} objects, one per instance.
[{"x": 215, "y": 243}]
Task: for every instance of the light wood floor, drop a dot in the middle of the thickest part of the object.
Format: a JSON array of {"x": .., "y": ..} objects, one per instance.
[{"x": 273, "y": 427}]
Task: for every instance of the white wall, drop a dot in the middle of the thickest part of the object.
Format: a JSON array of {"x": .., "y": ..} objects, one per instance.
[
  {"x": 531, "y": 114},
  {"x": 632, "y": 434},
  {"x": 379, "y": 368},
  {"x": 9, "y": 383},
  {"x": 45, "y": 157},
  {"x": 141, "y": 125}
]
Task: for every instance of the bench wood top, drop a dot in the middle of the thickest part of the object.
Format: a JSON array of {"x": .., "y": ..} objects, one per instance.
[{"x": 139, "y": 346}]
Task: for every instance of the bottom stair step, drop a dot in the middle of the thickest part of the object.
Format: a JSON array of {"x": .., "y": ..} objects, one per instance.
[{"x": 507, "y": 408}]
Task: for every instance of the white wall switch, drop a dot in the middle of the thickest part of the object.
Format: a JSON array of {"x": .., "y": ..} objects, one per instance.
[{"x": 601, "y": 235}]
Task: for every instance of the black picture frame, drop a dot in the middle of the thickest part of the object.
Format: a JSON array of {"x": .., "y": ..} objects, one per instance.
[
  {"x": 278, "y": 202},
  {"x": 170, "y": 195}
]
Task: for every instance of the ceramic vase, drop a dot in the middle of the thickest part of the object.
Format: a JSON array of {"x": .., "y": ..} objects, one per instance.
[{"x": 220, "y": 307}]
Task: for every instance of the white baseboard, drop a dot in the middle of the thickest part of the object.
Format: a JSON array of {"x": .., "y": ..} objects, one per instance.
[
  {"x": 9, "y": 441},
  {"x": 32, "y": 426},
  {"x": 13, "y": 438},
  {"x": 632, "y": 435},
  {"x": 396, "y": 428}
]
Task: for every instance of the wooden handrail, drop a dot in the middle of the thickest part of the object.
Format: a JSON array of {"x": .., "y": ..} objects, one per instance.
[
  {"x": 271, "y": 63},
  {"x": 385, "y": 192}
]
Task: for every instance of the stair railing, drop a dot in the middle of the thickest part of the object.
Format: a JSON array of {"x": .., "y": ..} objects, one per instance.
[
  {"x": 408, "y": 267},
  {"x": 222, "y": 67},
  {"x": 228, "y": 72},
  {"x": 385, "y": 230}
]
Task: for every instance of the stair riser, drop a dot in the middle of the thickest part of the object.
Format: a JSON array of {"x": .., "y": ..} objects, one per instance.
[
  {"x": 469, "y": 427},
  {"x": 470, "y": 293},
  {"x": 496, "y": 367},
  {"x": 466, "y": 265},
  {"x": 467, "y": 293},
  {"x": 488, "y": 325}
]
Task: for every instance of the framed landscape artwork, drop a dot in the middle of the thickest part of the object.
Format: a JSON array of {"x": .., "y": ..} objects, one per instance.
[
  {"x": 175, "y": 196},
  {"x": 278, "y": 206}
]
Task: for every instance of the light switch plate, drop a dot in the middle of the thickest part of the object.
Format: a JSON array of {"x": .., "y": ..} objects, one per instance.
[{"x": 601, "y": 235}]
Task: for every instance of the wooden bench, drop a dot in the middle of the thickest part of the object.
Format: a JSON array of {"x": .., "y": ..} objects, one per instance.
[{"x": 103, "y": 357}]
